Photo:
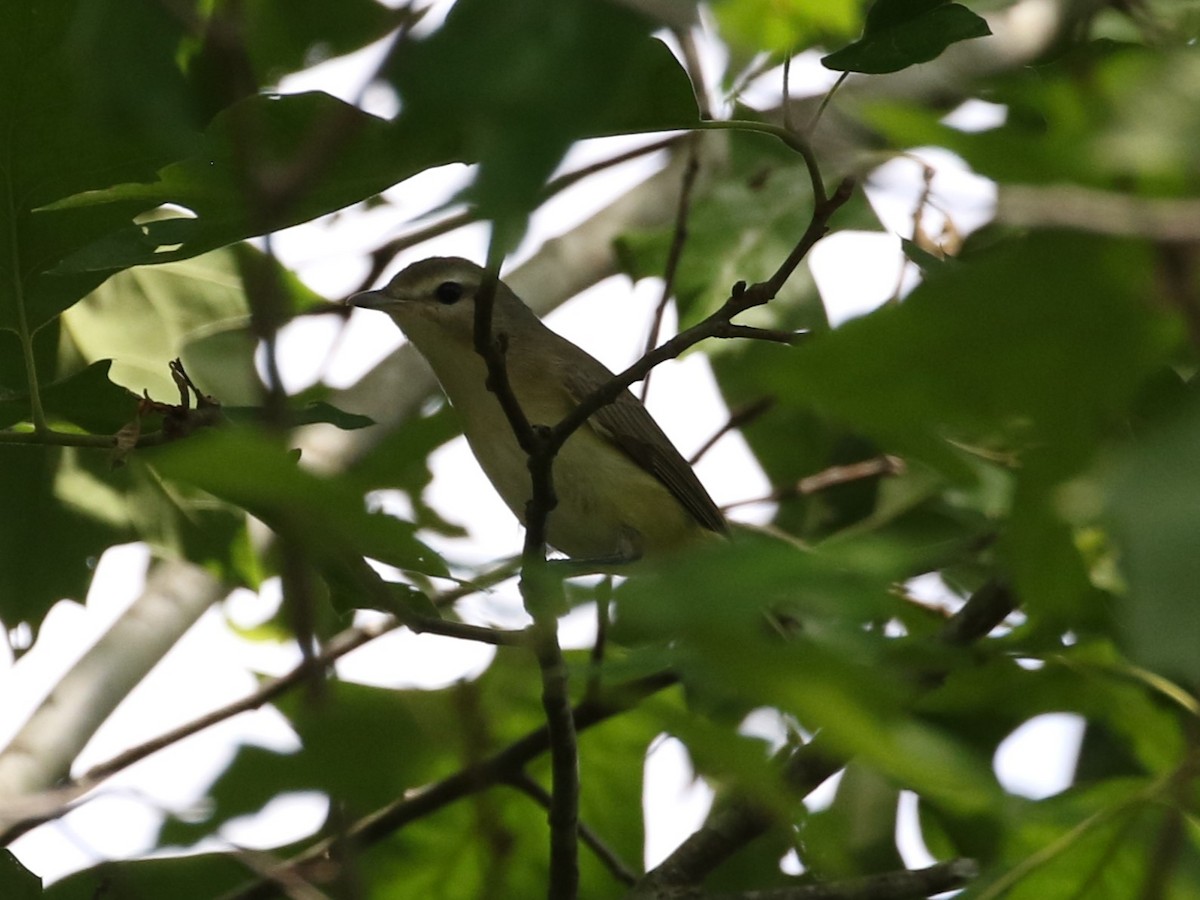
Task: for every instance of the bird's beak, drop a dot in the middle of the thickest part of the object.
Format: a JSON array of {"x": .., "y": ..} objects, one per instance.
[{"x": 369, "y": 300}]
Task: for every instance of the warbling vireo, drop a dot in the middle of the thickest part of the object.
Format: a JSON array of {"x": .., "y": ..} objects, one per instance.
[{"x": 623, "y": 490}]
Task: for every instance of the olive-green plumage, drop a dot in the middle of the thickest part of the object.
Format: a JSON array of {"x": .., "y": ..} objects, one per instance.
[{"x": 623, "y": 489}]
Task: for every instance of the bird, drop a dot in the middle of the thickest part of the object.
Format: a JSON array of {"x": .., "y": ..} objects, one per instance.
[{"x": 624, "y": 492}]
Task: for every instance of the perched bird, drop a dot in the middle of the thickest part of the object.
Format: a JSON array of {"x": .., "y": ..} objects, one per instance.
[{"x": 623, "y": 490}]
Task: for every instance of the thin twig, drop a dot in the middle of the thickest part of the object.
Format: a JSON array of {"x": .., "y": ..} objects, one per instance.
[
  {"x": 738, "y": 418},
  {"x": 61, "y": 800},
  {"x": 674, "y": 254},
  {"x": 787, "y": 93},
  {"x": 623, "y": 873},
  {"x": 816, "y": 119},
  {"x": 382, "y": 256},
  {"x": 754, "y": 333},
  {"x": 538, "y": 589},
  {"x": 827, "y": 478},
  {"x": 741, "y": 299},
  {"x": 790, "y": 138}
]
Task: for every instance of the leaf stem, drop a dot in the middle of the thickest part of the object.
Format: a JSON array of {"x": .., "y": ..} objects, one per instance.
[{"x": 49, "y": 437}]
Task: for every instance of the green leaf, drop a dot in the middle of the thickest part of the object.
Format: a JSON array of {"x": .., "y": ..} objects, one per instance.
[
  {"x": 176, "y": 521},
  {"x": 856, "y": 833},
  {"x": 1095, "y": 842},
  {"x": 740, "y": 228},
  {"x": 1080, "y": 119},
  {"x": 87, "y": 399},
  {"x": 314, "y": 413},
  {"x": 514, "y": 84},
  {"x": 830, "y": 671},
  {"x": 361, "y": 746},
  {"x": 283, "y": 36},
  {"x": 211, "y": 185},
  {"x": 787, "y": 27},
  {"x": 145, "y": 96},
  {"x": 51, "y": 545},
  {"x": 494, "y": 843},
  {"x": 1039, "y": 339},
  {"x": 145, "y": 317},
  {"x": 245, "y": 468},
  {"x": 401, "y": 461},
  {"x": 988, "y": 701},
  {"x": 902, "y": 33},
  {"x": 922, "y": 257},
  {"x": 199, "y": 877},
  {"x": 1154, "y": 520},
  {"x": 19, "y": 883},
  {"x": 62, "y": 92}
]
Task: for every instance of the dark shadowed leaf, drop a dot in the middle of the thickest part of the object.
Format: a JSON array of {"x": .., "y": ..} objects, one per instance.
[
  {"x": 327, "y": 516},
  {"x": 199, "y": 877},
  {"x": 1153, "y": 508},
  {"x": 50, "y": 544},
  {"x": 902, "y": 33},
  {"x": 367, "y": 156},
  {"x": 87, "y": 399},
  {"x": 514, "y": 83},
  {"x": 19, "y": 883}
]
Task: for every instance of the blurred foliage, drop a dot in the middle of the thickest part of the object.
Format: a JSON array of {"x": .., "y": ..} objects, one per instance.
[{"x": 1038, "y": 385}]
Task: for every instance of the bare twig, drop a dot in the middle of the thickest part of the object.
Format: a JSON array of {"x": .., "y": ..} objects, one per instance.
[
  {"x": 623, "y": 873},
  {"x": 537, "y": 591},
  {"x": 825, "y": 100},
  {"x": 831, "y": 477},
  {"x": 718, "y": 324},
  {"x": 383, "y": 255},
  {"x": 739, "y": 417},
  {"x": 985, "y": 610},
  {"x": 1100, "y": 212},
  {"x": 32, "y": 811},
  {"x": 674, "y": 254}
]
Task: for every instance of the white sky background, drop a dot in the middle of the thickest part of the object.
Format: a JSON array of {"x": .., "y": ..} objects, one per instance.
[{"x": 212, "y": 666}]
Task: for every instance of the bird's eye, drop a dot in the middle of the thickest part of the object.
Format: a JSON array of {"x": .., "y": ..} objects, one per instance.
[{"x": 448, "y": 292}]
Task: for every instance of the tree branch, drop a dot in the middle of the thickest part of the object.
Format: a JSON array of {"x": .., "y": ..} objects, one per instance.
[
  {"x": 538, "y": 590},
  {"x": 741, "y": 298},
  {"x": 499, "y": 768},
  {"x": 675, "y": 253},
  {"x": 40, "y": 756},
  {"x": 19, "y": 814},
  {"x": 906, "y": 884}
]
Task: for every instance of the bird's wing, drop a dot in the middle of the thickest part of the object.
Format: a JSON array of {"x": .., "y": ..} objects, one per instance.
[{"x": 628, "y": 425}]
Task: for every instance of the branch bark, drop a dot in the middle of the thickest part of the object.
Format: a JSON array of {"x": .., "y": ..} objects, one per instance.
[{"x": 40, "y": 756}]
